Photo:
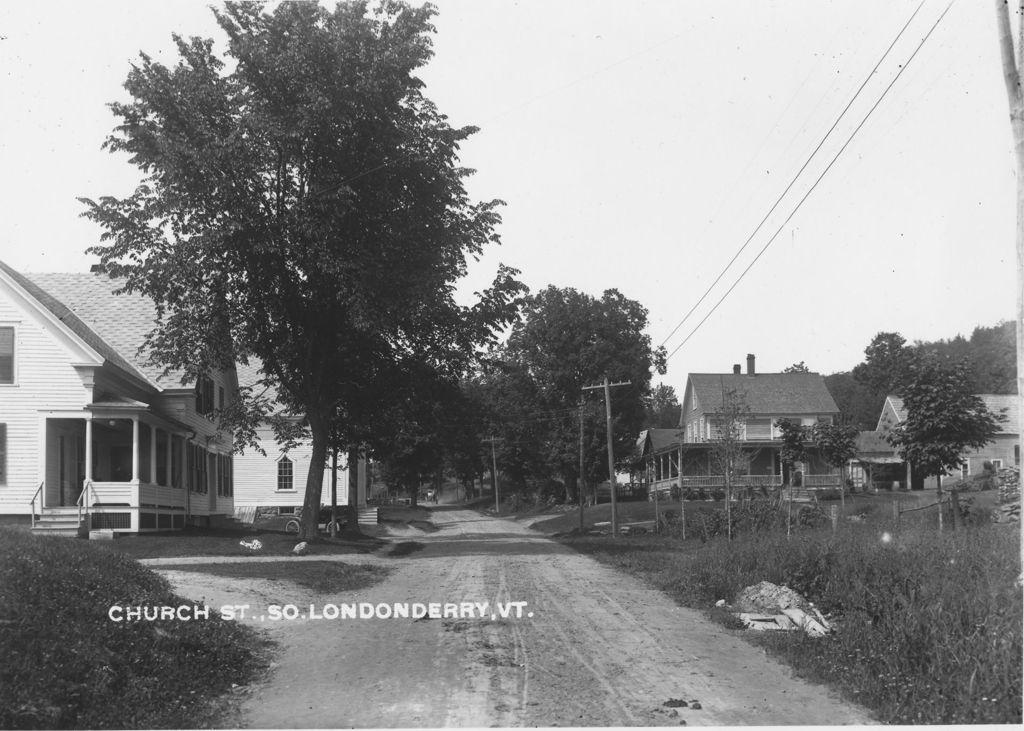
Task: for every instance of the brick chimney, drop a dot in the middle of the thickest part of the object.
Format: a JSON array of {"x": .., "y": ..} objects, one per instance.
[
  {"x": 750, "y": 365},
  {"x": 736, "y": 369}
]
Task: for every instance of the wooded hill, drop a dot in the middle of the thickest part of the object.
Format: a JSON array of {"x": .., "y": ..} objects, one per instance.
[{"x": 990, "y": 354}]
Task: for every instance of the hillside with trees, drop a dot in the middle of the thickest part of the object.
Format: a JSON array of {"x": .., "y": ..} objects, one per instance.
[{"x": 988, "y": 357}]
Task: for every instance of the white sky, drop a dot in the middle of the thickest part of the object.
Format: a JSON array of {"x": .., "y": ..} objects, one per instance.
[{"x": 637, "y": 145}]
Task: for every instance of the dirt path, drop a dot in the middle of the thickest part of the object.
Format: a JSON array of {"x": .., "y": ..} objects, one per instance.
[{"x": 601, "y": 649}]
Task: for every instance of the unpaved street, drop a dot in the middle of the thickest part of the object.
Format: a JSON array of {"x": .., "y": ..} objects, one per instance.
[{"x": 601, "y": 649}]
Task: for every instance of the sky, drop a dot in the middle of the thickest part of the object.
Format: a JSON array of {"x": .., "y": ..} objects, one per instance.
[{"x": 637, "y": 145}]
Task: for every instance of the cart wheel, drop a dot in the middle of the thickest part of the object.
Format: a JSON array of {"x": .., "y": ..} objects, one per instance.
[
  {"x": 292, "y": 526},
  {"x": 334, "y": 526}
]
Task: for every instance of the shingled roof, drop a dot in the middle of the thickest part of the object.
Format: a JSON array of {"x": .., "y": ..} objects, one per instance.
[
  {"x": 766, "y": 393},
  {"x": 1005, "y": 404},
  {"x": 113, "y": 325}
]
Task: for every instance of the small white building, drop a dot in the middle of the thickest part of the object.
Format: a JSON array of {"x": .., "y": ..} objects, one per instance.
[
  {"x": 92, "y": 435},
  {"x": 277, "y": 478}
]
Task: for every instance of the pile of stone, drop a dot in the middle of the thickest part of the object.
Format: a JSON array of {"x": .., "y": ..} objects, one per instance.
[
  {"x": 1009, "y": 485},
  {"x": 767, "y": 606}
]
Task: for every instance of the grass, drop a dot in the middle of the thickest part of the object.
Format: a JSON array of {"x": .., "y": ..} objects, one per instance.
[
  {"x": 225, "y": 542},
  {"x": 67, "y": 665},
  {"x": 927, "y": 626},
  {"x": 633, "y": 511},
  {"x": 323, "y": 577}
]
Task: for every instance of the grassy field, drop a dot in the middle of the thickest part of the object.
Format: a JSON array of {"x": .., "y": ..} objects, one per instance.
[
  {"x": 66, "y": 664},
  {"x": 323, "y": 577},
  {"x": 927, "y": 626}
]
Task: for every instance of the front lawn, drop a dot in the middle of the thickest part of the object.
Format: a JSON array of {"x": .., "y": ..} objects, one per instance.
[
  {"x": 225, "y": 542},
  {"x": 67, "y": 664},
  {"x": 323, "y": 577}
]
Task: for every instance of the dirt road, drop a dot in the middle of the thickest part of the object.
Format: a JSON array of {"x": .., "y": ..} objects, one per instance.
[{"x": 600, "y": 648}]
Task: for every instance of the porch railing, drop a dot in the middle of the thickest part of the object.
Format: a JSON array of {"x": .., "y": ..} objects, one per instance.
[
  {"x": 38, "y": 494},
  {"x": 83, "y": 501}
]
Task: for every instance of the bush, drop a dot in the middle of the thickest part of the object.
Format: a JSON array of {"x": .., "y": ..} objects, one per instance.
[{"x": 67, "y": 665}]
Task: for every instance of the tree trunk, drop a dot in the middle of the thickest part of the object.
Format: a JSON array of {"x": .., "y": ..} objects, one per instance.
[
  {"x": 352, "y": 504},
  {"x": 314, "y": 479}
]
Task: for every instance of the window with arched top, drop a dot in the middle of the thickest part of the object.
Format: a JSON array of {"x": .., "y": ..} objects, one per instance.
[{"x": 285, "y": 474}]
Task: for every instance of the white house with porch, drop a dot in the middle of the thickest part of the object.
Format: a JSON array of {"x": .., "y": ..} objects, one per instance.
[
  {"x": 684, "y": 458},
  {"x": 92, "y": 435}
]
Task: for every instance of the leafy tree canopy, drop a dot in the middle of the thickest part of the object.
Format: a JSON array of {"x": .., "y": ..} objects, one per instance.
[
  {"x": 301, "y": 202},
  {"x": 943, "y": 417},
  {"x": 565, "y": 340},
  {"x": 662, "y": 408}
]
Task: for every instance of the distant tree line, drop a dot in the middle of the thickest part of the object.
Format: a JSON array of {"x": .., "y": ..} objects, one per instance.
[{"x": 988, "y": 359}]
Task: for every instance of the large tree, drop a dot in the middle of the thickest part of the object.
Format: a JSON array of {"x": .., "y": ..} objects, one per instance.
[
  {"x": 301, "y": 202},
  {"x": 944, "y": 419},
  {"x": 565, "y": 340}
]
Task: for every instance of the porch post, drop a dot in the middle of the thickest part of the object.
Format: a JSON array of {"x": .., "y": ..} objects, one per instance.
[
  {"x": 152, "y": 455},
  {"x": 88, "y": 449},
  {"x": 135, "y": 449},
  {"x": 169, "y": 458}
]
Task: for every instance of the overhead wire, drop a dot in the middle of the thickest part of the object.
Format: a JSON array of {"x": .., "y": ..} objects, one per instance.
[
  {"x": 817, "y": 180},
  {"x": 793, "y": 181}
]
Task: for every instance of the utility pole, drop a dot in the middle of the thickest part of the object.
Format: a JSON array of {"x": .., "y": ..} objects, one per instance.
[
  {"x": 1013, "y": 63},
  {"x": 581, "y": 480},
  {"x": 611, "y": 454},
  {"x": 494, "y": 474}
]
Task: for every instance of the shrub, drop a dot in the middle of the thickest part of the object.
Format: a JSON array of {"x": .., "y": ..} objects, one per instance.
[{"x": 66, "y": 664}]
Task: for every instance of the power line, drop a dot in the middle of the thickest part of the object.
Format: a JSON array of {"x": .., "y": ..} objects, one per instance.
[
  {"x": 797, "y": 175},
  {"x": 818, "y": 180}
]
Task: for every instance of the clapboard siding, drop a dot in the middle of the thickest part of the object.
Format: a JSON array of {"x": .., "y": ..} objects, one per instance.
[
  {"x": 45, "y": 382},
  {"x": 256, "y": 475}
]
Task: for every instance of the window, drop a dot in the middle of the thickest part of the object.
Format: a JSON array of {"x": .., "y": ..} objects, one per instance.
[
  {"x": 284, "y": 474},
  {"x": 3, "y": 454},
  {"x": 198, "y": 470},
  {"x": 997, "y": 464},
  {"x": 204, "y": 395},
  {"x": 225, "y": 480},
  {"x": 177, "y": 445},
  {"x": 161, "y": 457},
  {"x": 965, "y": 470},
  {"x": 6, "y": 355}
]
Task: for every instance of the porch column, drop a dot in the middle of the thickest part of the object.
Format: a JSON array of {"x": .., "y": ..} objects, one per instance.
[
  {"x": 168, "y": 458},
  {"x": 135, "y": 449},
  {"x": 152, "y": 455},
  {"x": 88, "y": 450}
]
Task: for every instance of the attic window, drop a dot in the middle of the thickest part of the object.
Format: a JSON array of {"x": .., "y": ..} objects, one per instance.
[{"x": 7, "y": 355}]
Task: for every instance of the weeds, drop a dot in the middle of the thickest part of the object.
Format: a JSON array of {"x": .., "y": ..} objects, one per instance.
[{"x": 928, "y": 625}]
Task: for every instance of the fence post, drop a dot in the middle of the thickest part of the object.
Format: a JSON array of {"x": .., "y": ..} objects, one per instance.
[
  {"x": 954, "y": 499},
  {"x": 834, "y": 514},
  {"x": 896, "y": 513}
]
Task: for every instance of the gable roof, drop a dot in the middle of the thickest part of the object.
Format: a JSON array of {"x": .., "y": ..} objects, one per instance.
[
  {"x": 1006, "y": 404},
  {"x": 652, "y": 441},
  {"x": 766, "y": 393},
  {"x": 113, "y": 325}
]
